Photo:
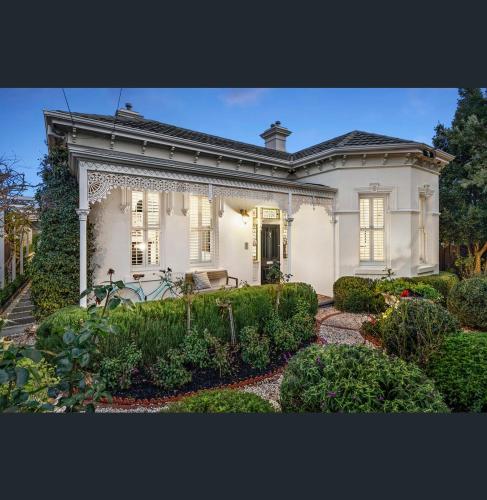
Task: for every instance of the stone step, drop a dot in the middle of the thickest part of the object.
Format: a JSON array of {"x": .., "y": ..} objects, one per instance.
[
  {"x": 25, "y": 320},
  {"x": 14, "y": 316},
  {"x": 26, "y": 307}
]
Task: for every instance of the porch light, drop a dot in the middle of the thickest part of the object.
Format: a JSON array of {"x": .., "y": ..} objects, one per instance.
[{"x": 245, "y": 215}]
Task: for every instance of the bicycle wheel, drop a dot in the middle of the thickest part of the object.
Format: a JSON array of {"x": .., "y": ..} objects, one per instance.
[{"x": 128, "y": 293}]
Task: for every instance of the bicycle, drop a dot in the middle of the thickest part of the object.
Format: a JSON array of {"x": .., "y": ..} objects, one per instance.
[{"x": 135, "y": 292}]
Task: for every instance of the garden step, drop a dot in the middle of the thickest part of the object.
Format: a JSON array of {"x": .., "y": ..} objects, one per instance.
[
  {"x": 25, "y": 320},
  {"x": 17, "y": 315}
]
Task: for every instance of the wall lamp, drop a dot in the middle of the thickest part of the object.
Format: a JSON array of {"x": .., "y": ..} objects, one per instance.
[{"x": 245, "y": 215}]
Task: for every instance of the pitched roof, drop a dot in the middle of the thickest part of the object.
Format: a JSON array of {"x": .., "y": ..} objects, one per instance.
[{"x": 354, "y": 138}]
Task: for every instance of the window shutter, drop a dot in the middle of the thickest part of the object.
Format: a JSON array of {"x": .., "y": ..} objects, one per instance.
[{"x": 201, "y": 230}]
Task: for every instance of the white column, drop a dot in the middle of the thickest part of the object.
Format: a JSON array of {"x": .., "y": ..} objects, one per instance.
[
  {"x": 2, "y": 249},
  {"x": 290, "y": 219},
  {"x": 14, "y": 257},
  {"x": 21, "y": 254},
  {"x": 82, "y": 212}
]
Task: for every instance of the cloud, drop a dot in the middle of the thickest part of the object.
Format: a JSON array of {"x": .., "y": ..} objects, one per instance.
[{"x": 242, "y": 97}]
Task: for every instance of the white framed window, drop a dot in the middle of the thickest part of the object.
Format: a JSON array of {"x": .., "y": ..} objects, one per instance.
[
  {"x": 201, "y": 231},
  {"x": 422, "y": 229},
  {"x": 372, "y": 229},
  {"x": 145, "y": 230}
]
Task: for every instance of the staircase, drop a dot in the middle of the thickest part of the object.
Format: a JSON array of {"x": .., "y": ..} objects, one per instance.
[{"x": 20, "y": 313}]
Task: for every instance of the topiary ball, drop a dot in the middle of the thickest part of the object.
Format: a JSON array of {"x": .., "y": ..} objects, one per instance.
[
  {"x": 459, "y": 370},
  {"x": 222, "y": 401},
  {"x": 415, "y": 329},
  {"x": 468, "y": 302},
  {"x": 344, "y": 378},
  {"x": 356, "y": 294}
]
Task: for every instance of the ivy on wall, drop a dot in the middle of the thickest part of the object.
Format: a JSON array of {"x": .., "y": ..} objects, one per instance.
[{"x": 55, "y": 266}]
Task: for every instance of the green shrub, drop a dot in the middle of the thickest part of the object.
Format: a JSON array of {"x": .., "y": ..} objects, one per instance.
[
  {"x": 397, "y": 286},
  {"x": 117, "y": 372},
  {"x": 459, "y": 370},
  {"x": 158, "y": 326},
  {"x": 280, "y": 334},
  {"x": 49, "y": 335},
  {"x": 468, "y": 302},
  {"x": 443, "y": 283},
  {"x": 255, "y": 348},
  {"x": 169, "y": 372},
  {"x": 220, "y": 354},
  {"x": 222, "y": 401},
  {"x": 343, "y": 378},
  {"x": 415, "y": 329},
  {"x": 302, "y": 323},
  {"x": 196, "y": 349},
  {"x": 355, "y": 294}
]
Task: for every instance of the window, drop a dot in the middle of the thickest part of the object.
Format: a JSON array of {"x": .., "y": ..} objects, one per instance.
[
  {"x": 372, "y": 229},
  {"x": 201, "y": 233},
  {"x": 422, "y": 229},
  {"x": 145, "y": 229}
]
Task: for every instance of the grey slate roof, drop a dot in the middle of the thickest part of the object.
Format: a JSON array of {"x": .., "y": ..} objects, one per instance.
[{"x": 354, "y": 138}]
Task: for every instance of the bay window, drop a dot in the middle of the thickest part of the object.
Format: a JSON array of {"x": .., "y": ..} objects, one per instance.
[{"x": 372, "y": 229}]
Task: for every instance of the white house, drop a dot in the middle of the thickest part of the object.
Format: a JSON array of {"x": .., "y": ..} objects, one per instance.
[{"x": 160, "y": 196}]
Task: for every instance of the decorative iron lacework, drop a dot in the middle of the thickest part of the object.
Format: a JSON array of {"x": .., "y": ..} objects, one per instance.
[{"x": 104, "y": 178}]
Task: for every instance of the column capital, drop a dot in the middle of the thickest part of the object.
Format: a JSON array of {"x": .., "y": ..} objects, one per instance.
[{"x": 83, "y": 213}]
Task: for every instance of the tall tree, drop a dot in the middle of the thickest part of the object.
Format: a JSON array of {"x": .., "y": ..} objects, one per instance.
[{"x": 463, "y": 183}]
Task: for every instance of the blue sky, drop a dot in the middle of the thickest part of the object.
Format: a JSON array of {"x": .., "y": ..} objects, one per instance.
[{"x": 313, "y": 115}]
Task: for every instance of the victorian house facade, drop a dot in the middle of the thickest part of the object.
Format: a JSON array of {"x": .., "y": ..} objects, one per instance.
[{"x": 163, "y": 196}]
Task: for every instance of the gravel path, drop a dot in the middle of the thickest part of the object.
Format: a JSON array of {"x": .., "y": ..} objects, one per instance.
[{"x": 267, "y": 389}]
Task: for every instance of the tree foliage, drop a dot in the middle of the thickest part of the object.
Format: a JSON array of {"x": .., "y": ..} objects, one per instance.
[
  {"x": 55, "y": 266},
  {"x": 463, "y": 183}
]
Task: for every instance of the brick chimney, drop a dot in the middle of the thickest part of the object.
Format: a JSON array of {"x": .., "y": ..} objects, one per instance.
[
  {"x": 275, "y": 136},
  {"x": 127, "y": 112}
]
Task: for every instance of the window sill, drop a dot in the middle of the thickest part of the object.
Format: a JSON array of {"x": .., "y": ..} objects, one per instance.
[
  {"x": 368, "y": 270},
  {"x": 425, "y": 269}
]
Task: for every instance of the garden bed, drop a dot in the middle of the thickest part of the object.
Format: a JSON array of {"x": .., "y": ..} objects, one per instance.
[{"x": 143, "y": 391}]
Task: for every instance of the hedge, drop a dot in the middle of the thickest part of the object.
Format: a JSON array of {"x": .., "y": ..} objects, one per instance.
[
  {"x": 459, "y": 370},
  {"x": 442, "y": 282},
  {"x": 356, "y": 294},
  {"x": 158, "y": 326},
  {"x": 468, "y": 302}
]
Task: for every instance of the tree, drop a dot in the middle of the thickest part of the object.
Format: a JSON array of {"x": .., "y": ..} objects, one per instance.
[{"x": 463, "y": 183}]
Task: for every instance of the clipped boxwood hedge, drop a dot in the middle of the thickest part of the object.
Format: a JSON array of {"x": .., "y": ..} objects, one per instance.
[
  {"x": 459, "y": 370},
  {"x": 344, "y": 378},
  {"x": 468, "y": 302},
  {"x": 158, "y": 326},
  {"x": 222, "y": 401},
  {"x": 356, "y": 294}
]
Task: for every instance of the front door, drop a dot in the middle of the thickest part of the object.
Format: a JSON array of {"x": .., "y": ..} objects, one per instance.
[{"x": 270, "y": 245}]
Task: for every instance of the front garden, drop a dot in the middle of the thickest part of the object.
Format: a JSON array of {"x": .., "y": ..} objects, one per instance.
[{"x": 421, "y": 349}]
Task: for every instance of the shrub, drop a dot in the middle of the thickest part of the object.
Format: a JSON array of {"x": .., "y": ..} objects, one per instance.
[
  {"x": 343, "y": 378},
  {"x": 355, "y": 294},
  {"x": 459, "y": 370},
  {"x": 220, "y": 355},
  {"x": 398, "y": 286},
  {"x": 222, "y": 401},
  {"x": 302, "y": 324},
  {"x": 158, "y": 326},
  {"x": 255, "y": 348},
  {"x": 169, "y": 372},
  {"x": 196, "y": 349},
  {"x": 468, "y": 302},
  {"x": 280, "y": 334},
  {"x": 415, "y": 329},
  {"x": 117, "y": 372},
  {"x": 443, "y": 283}
]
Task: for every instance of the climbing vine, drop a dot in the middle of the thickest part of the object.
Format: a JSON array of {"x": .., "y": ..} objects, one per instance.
[{"x": 55, "y": 266}]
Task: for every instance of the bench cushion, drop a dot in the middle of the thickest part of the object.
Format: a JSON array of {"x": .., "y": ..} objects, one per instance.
[{"x": 201, "y": 280}]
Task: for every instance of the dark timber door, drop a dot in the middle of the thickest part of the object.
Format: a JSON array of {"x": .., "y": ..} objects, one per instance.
[{"x": 270, "y": 249}]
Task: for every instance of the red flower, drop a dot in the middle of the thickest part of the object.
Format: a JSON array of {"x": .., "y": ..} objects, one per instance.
[{"x": 405, "y": 293}]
